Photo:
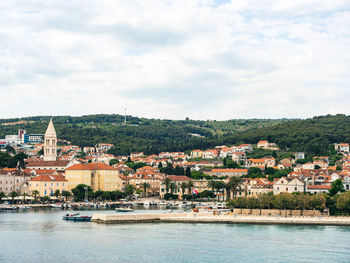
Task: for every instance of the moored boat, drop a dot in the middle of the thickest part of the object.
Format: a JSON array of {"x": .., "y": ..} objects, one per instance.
[
  {"x": 124, "y": 209},
  {"x": 76, "y": 217}
]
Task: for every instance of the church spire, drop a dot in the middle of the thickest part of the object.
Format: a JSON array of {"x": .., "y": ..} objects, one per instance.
[{"x": 50, "y": 143}]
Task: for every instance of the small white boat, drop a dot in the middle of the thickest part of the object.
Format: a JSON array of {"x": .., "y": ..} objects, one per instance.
[{"x": 124, "y": 209}]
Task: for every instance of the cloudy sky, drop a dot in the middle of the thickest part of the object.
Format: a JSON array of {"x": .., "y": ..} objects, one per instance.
[{"x": 202, "y": 59}]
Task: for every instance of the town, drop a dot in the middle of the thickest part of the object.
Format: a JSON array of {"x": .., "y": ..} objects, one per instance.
[{"x": 49, "y": 169}]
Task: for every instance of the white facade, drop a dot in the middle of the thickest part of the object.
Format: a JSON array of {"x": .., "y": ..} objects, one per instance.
[{"x": 50, "y": 143}]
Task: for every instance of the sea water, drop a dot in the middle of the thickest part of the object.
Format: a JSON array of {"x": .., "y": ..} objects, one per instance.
[{"x": 42, "y": 236}]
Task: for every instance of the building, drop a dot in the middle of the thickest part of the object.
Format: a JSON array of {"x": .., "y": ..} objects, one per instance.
[
  {"x": 239, "y": 157},
  {"x": 258, "y": 186},
  {"x": 210, "y": 154},
  {"x": 50, "y": 143},
  {"x": 299, "y": 155},
  {"x": 261, "y": 163},
  {"x": 178, "y": 180},
  {"x": 153, "y": 179},
  {"x": 227, "y": 172},
  {"x": 342, "y": 148},
  {"x": 59, "y": 166},
  {"x": 268, "y": 145},
  {"x": 104, "y": 147},
  {"x": 196, "y": 153},
  {"x": 315, "y": 189},
  {"x": 100, "y": 176},
  {"x": 48, "y": 184},
  {"x": 14, "y": 180},
  {"x": 288, "y": 185},
  {"x": 33, "y": 138}
]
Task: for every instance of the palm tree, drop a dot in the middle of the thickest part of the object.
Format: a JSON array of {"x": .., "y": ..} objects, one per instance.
[
  {"x": 212, "y": 185},
  {"x": 183, "y": 187},
  {"x": 173, "y": 187},
  {"x": 2, "y": 195},
  {"x": 167, "y": 184},
  {"x": 145, "y": 186},
  {"x": 220, "y": 186},
  {"x": 189, "y": 186},
  {"x": 35, "y": 193},
  {"x": 66, "y": 194},
  {"x": 129, "y": 190},
  {"x": 24, "y": 197},
  {"x": 228, "y": 190},
  {"x": 234, "y": 182},
  {"x": 13, "y": 194}
]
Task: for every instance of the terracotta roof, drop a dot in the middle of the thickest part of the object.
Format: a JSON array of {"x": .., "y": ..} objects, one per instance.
[
  {"x": 91, "y": 166},
  {"x": 323, "y": 187},
  {"x": 229, "y": 170},
  {"x": 48, "y": 163},
  {"x": 48, "y": 177},
  {"x": 178, "y": 178}
]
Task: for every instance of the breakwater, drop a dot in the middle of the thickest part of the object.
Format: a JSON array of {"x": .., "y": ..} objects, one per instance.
[{"x": 223, "y": 218}]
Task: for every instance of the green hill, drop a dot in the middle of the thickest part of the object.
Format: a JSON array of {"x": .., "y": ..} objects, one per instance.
[
  {"x": 140, "y": 134},
  {"x": 314, "y": 136}
]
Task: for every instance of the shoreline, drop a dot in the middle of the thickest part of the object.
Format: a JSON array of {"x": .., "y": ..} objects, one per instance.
[{"x": 217, "y": 219}]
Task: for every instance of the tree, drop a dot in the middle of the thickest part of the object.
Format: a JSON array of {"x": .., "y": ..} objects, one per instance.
[
  {"x": 57, "y": 193},
  {"x": 79, "y": 192},
  {"x": 264, "y": 201},
  {"x": 2, "y": 195},
  {"x": 337, "y": 186},
  {"x": 24, "y": 197},
  {"x": 188, "y": 172},
  {"x": 129, "y": 190},
  {"x": 113, "y": 161},
  {"x": 35, "y": 194},
  {"x": 183, "y": 187},
  {"x": 220, "y": 186},
  {"x": 318, "y": 201},
  {"x": 106, "y": 195},
  {"x": 173, "y": 187},
  {"x": 303, "y": 202},
  {"x": 189, "y": 187},
  {"x": 145, "y": 186},
  {"x": 234, "y": 183},
  {"x": 66, "y": 194},
  {"x": 167, "y": 184},
  {"x": 212, "y": 185},
  {"x": 160, "y": 165},
  {"x": 343, "y": 202},
  {"x": 13, "y": 194}
]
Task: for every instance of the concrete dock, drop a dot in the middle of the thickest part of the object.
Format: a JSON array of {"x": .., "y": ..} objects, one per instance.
[{"x": 210, "y": 218}]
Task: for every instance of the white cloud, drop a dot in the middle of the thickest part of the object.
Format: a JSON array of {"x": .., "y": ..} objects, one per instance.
[{"x": 205, "y": 59}]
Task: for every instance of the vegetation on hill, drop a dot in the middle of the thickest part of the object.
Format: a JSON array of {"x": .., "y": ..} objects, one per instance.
[{"x": 313, "y": 136}]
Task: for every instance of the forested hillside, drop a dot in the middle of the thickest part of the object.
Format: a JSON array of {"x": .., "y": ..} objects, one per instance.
[
  {"x": 314, "y": 136},
  {"x": 140, "y": 134}
]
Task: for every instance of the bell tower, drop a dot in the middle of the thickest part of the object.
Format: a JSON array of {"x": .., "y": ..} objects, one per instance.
[{"x": 50, "y": 143}]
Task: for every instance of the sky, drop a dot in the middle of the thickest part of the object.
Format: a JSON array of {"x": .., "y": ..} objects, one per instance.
[{"x": 172, "y": 59}]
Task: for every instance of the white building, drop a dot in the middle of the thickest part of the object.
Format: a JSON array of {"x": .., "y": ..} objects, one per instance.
[{"x": 50, "y": 143}]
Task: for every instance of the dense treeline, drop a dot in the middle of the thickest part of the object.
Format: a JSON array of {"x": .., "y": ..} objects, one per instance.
[{"x": 313, "y": 136}]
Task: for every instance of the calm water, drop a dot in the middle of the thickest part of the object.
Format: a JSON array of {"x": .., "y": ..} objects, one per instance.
[{"x": 43, "y": 236}]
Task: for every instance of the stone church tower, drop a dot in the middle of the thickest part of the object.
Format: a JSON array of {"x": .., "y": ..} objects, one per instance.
[{"x": 50, "y": 143}]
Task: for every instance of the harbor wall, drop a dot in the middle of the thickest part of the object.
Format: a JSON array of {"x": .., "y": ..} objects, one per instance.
[{"x": 276, "y": 212}]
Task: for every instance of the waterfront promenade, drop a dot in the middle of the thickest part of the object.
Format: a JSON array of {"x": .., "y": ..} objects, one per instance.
[{"x": 223, "y": 218}]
